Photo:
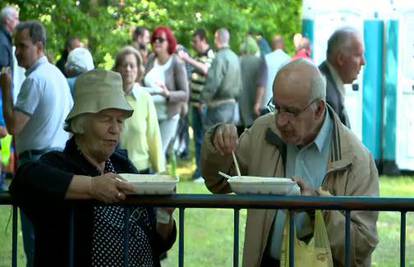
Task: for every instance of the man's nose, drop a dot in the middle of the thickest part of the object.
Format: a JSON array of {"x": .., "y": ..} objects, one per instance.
[
  {"x": 363, "y": 60},
  {"x": 281, "y": 119}
]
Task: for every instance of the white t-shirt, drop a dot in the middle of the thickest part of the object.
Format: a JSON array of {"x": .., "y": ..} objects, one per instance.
[
  {"x": 153, "y": 79},
  {"x": 44, "y": 97}
]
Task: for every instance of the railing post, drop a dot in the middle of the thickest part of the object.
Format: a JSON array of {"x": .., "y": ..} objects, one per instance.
[
  {"x": 402, "y": 238},
  {"x": 291, "y": 238},
  {"x": 14, "y": 236},
  {"x": 71, "y": 237},
  {"x": 348, "y": 238},
  {"x": 181, "y": 238},
  {"x": 236, "y": 238},
  {"x": 127, "y": 214}
]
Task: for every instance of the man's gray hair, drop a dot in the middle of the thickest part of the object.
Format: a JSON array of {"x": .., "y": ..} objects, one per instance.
[
  {"x": 6, "y": 12},
  {"x": 223, "y": 35},
  {"x": 340, "y": 41},
  {"x": 318, "y": 81},
  {"x": 37, "y": 31}
]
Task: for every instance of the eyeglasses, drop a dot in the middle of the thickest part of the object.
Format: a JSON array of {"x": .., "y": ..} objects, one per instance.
[
  {"x": 290, "y": 113},
  {"x": 159, "y": 40}
]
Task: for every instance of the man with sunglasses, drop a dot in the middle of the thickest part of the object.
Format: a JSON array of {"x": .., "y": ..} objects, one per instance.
[{"x": 302, "y": 138}]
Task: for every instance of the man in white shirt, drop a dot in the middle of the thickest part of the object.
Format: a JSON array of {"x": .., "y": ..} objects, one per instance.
[{"x": 274, "y": 61}]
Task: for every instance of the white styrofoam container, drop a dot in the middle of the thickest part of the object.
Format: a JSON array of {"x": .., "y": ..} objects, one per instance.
[
  {"x": 263, "y": 185},
  {"x": 151, "y": 184}
]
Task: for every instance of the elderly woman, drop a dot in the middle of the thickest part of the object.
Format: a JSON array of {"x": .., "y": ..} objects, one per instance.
[
  {"x": 166, "y": 72},
  {"x": 141, "y": 135},
  {"x": 254, "y": 77},
  {"x": 87, "y": 169}
]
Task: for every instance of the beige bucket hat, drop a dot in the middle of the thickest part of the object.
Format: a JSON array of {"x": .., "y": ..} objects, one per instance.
[{"x": 97, "y": 90}]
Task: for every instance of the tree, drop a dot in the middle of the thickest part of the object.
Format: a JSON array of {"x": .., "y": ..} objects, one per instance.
[{"x": 106, "y": 25}]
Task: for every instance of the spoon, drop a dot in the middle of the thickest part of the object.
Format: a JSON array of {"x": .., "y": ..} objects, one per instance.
[
  {"x": 224, "y": 175},
  {"x": 236, "y": 163}
]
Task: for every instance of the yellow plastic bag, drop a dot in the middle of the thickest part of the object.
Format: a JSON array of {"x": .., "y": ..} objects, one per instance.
[{"x": 315, "y": 253}]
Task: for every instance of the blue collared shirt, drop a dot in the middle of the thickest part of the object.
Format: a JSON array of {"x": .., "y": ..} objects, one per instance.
[{"x": 309, "y": 163}]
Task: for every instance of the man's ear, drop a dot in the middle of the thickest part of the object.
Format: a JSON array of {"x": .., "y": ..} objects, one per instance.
[
  {"x": 320, "y": 109},
  {"x": 39, "y": 47},
  {"x": 340, "y": 59}
]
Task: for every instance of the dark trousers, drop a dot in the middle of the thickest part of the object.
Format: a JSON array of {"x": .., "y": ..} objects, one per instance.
[
  {"x": 27, "y": 226},
  {"x": 269, "y": 262},
  {"x": 198, "y": 130}
]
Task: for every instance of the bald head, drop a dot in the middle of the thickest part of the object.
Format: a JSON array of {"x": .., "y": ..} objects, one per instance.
[
  {"x": 301, "y": 77},
  {"x": 346, "y": 53},
  {"x": 278, "y": 42},
  {"x": 222, "y": 38},
  {"x": 341, "y": 42}
]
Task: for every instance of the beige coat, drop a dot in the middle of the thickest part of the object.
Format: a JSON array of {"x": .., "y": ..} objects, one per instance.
[{"x": 351, "y": 172}]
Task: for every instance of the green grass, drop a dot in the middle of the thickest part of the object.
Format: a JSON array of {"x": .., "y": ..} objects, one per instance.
[{"x": 209, "y": 232}]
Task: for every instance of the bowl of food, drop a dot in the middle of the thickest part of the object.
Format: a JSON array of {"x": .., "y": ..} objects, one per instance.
[
  {"x": 263, "y": 185},
  {"x": 151, "y": 184}
]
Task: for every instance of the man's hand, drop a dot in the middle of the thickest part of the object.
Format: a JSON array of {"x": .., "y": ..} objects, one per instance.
[
  {"x": 109, "y": 188},
  {"x": 5, "y": 79},
  {"x": 225, "y": 139},
  {"x": 3, "y": 131},
  {"x": 256, "y": 109},
  {"x": 305, "y": 190},
  {"x": 183, "y": 55}
]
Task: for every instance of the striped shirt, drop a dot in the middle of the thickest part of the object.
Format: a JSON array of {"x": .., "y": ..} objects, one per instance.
[{"x": 198, "y": 79}]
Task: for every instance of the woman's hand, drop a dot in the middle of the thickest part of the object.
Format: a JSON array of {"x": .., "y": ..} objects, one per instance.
[
  {"x": 164, "y": 91},
  {"x": 109, "y": 188}
]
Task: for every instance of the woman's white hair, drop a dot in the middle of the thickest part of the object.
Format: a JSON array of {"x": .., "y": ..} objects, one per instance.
[{"x": 77, "y": 124}]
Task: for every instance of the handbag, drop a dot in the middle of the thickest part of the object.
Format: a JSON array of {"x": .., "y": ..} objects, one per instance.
[{"x": 317, "y": 252}]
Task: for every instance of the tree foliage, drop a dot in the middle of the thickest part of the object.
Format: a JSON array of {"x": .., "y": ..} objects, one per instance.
[{"x": 106, "y": 25}]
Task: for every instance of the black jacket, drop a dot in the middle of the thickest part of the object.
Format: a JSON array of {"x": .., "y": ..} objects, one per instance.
[
  {"x": 39, "y": 188},
  {"x": 333, "y": 96}
]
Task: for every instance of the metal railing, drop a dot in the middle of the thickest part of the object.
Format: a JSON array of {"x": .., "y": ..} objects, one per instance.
[{"x": 237, "y": 202}]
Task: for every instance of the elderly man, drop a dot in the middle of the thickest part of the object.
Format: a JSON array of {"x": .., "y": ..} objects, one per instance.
[
  {"x": 344, "y": 59},
  {"x": 302, "y": 138},
  {"x": 223, "y": 83},
  {"x": 9, "y": 18},
  {"x": 44, "y": 100}
]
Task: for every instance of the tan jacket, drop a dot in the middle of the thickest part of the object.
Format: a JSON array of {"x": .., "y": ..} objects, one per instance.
[{"x": 351, "y": 172}]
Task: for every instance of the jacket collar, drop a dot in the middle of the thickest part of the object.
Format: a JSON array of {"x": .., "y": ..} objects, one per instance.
[{"x": 340, "y": 154}]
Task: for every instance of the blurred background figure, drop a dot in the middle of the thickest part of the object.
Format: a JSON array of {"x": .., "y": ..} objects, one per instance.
[
  {"x": 9, "y": 19},
  {"x": 166, "y": 76},
  {"x": 201, "y": 63},
  {"x": 274, "y": 61},
  {"x": 79, "y": 61},
  {"x": 253, "y": 73},
  {"x": 141, "y": 134},
  {"x": 71, "y": 43},
  {"x": 223, "y": 83},
  {"x": 302, "y": 46},
  {"x": 140, "y": 41},
  {"x": 344, "y": 60}
]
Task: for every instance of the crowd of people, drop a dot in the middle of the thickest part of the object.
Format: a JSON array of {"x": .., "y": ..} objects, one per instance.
[{"x": 76, "y": 127}]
